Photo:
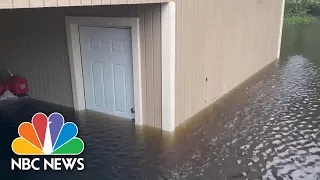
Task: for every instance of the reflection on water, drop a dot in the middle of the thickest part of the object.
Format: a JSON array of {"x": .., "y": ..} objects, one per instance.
[{"x": 270, "y": 130}]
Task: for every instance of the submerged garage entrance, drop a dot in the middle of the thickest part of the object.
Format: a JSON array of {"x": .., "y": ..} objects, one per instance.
[
  {"x": 106, "y": 51},
  {"x": 49, "y": 54}
]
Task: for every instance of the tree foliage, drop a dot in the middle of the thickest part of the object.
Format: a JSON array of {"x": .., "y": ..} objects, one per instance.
[{"x": 297, "y": 11}]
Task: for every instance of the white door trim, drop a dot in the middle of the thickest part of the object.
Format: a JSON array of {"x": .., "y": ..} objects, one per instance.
[{"x": 72, "y": 28}]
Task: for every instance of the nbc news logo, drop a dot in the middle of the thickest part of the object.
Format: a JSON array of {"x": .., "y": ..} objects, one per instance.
[{"x": 47, "y": 136}]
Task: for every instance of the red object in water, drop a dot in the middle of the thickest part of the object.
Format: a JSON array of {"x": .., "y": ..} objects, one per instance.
[
  {"x": 18, "y": 85},
  {"x": 3, "y": 87}
]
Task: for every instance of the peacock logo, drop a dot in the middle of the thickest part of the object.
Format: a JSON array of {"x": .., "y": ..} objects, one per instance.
[{"x": 47, "y": 136}]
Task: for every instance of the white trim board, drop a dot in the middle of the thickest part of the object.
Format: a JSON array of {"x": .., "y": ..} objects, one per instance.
[
  {"x": 72, "y": 29},
  {"x": 168, "y": 30},
  {"x": 280, "y": 29}
]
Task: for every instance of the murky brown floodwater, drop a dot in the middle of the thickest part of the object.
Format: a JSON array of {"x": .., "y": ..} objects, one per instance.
[{"x": 270, "y": 130}]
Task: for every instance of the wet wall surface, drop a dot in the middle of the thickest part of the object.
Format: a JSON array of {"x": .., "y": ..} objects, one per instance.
[{"x": 268, "y": 130}]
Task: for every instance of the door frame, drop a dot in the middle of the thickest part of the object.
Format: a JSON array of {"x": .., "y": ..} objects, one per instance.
[{"x": 73, "y": 39}]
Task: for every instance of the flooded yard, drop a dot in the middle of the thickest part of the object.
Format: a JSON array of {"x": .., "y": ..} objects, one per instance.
[{"x": 268, "y": 130}]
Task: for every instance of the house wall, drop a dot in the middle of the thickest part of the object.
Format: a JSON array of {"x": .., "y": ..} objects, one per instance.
[
  {"x": 34, "y": 45},
  {"x": 219, "y": 44}
]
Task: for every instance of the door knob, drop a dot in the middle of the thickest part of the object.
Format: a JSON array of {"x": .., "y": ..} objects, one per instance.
[
  {"x": 132, "y": 110},
  {"x": 133, "y": 120}
]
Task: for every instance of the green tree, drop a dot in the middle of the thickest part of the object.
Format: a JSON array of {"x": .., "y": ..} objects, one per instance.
[{"x": 297, "y": 11}]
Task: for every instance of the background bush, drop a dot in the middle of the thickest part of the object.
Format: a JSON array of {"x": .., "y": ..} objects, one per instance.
[{"x": 298, "y": 11}]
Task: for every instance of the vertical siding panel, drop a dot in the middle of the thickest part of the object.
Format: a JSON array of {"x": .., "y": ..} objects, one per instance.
[
  {"x": 6, "y": 4},
  {"x": 204, "y": 55},
  {"x": 157, "y": 65},
  {"x": 105, "y": 2},
  {"x": 56, "y": 60},
  {"x": 96, "y": 2},
  {"x": 123, "y": 1},
  {"x": 42, "y": 83},
  {"x": 37, "y": 3},
  {"x": 83, "y": 2},
  {"x": 63, "y": 2},
  {"x": 131, "y": 1},
  {"x": 202, "y": 20},
  {"x": 50, "y": 3},
  {"x": 241, "y": 39},
  {"x": 231, "y": 45},
  {"x": 30, "y": 81},
  {"x": 230, "y": 65},
  {"x": 21, "y": 3},
  {"x": 36, "y": 82},
  {"x": 149, "y": 66},
  {"x": 47, "y": 77},
  {"x": 224, "y": 20},
  {"x": 59, "y": 63},
  {"x": 218, "y": 46},
  {"x": 186, "y": 47},
  {"x": 207, "y": 60},
  {"x": 192, "y": 67},
  {"x": 183, "y": 52},
  {"x": 225, "y": 43},
  {"x": 187, "y": 52},
  {"x": 189, "y": 72},
  {"x": 196, "y": 61},
  {"x": 33, "y": 85},
  {"x": 79, "y": 2},
  {"x": 213, "y": 53},
  {"x": 249, "y": 36},
  {"x": 179, "y": 38},
  {"x": 144, "y": 1},
  {"x": 114, "y": 1}
]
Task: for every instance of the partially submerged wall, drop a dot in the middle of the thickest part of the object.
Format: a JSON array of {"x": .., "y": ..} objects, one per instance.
[{"x": 221, "y": 43}]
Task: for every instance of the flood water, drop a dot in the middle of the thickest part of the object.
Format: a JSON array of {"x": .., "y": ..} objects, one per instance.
[{"x": 268, "y": 130}]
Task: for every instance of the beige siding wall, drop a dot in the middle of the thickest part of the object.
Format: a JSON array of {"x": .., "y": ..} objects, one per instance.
[
  {"x": 33, "y": 45},
  {"x": 221, "y": 43}
]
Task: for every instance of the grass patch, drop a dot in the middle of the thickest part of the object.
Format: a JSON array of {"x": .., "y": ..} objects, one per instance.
[{"x": 296, "y": 20}]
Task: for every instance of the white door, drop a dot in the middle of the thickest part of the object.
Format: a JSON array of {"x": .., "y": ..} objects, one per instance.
[{"x": 107, "y": 70}]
